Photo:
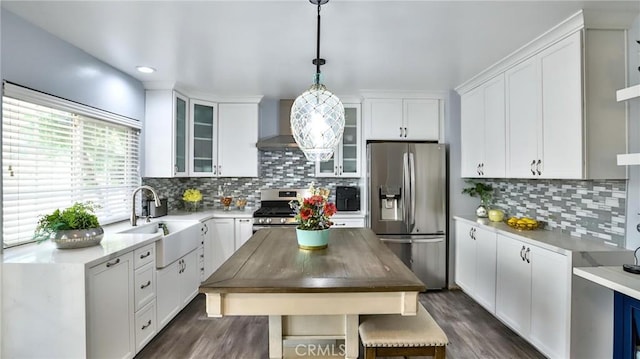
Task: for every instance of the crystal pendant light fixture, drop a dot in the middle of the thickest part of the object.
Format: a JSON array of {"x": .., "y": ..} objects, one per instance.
[{"x": 317, "y": 116}]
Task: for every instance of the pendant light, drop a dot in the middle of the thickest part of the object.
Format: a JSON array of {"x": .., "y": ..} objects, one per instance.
[{"x": 317, "y": 116}]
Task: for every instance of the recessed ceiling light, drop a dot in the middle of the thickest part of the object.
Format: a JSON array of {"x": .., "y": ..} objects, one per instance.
[{"x": 145, "y": 69}]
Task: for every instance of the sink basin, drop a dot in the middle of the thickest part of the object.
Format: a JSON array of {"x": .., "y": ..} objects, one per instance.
[{"x": 183, "y": 237}]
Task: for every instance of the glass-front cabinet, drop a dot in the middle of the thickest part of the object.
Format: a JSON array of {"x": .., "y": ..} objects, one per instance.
[
  {"x": 203, "y": 144},
  {"x": 180, "y": 135},
  {"x": 346, "y": 158}
]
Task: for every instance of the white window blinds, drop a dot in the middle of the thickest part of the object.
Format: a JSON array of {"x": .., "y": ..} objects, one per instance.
[{"x": 55, "y": 153}]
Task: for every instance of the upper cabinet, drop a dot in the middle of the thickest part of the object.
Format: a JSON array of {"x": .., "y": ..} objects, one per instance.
[
  {"x": 207, "y": 138},
  {"x": 483, "y": 130},
  {"x": 347, "y": 157},
  {"x": 402, "y": 119},
  {"x": 559, "y": 118},
  {"x": 165, "y": 134}
]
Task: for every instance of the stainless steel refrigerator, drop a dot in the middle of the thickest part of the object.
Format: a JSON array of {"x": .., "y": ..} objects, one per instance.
[{"x": 408, "y": 205}]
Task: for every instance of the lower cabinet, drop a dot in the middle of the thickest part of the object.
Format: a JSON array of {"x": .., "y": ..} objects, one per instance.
[
  {"x": 533, "y": 289},
  {"x": 244, "y": 231},
  {"x": 476, "y": 263},
  {"x": 177, "y": 285},
  {"x": 110, "y": 311},
  {"x": 145, "y": 323},
  {"x": 219, "y": 243}
]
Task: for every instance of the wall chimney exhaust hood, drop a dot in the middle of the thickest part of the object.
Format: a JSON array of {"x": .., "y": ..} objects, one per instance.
[{"x": 284, "y": 139}]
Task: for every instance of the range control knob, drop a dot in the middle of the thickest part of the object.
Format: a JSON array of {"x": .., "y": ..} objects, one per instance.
[
  {"x": 261, "y": 220},
  {"x": 283, "y": 220},
  {"x": 267, "y": 221}
]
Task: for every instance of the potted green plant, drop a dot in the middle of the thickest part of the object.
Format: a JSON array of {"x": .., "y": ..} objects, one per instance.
[
  {"x": 484, "y": 192},
  {"x": 73, "y": 227}
]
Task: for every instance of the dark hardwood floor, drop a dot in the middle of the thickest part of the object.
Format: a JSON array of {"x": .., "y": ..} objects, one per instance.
[{"x": 472, "y": 332}]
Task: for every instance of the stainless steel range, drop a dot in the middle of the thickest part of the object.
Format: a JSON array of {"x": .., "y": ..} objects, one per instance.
[{"x": 274, "y": 208}]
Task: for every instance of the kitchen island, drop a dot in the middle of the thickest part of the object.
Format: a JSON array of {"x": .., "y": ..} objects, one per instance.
[{"x": 312, "y": 295}]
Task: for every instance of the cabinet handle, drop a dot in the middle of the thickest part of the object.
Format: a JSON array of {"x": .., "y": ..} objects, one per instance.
[
  {"x": 111, "y": 264},
  {"x": 175, "y": 170},
  {"x": 143, "y": 256},
  {"x": 405, "y": 132},
  {"x": 533, "y": 163},
  {"x": 335, "y": 170},
  {"x": 400, "y": 131},
  {"x": 340, "y": 168},
  {"x": 471, "y": 233},
  {"x": 202, "y": 256},
  {"x": 145, "y": 285},
  {"x": 538, "y": 167},
  {"x": 522, "y": 253},
  {"x": 526, "y": 255},
  {"x": 339, "y": 224},
  {"x": 219, "y": 170},
  {"x": 206, "y": 228},
  {"x": 482, "y": 169},
  {"x": 146, "y": 325}
]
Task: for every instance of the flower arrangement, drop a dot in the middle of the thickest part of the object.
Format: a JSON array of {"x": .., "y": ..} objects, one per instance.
[
  {"x": 192, "y": 195},
  {"x": 313, "y": 213},
  {"x": 191, "y": 198}
]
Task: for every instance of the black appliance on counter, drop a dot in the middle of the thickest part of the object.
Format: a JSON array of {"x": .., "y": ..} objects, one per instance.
[
  {"x": 149, "y": 208},
  {"x": 347, "y": 198}
]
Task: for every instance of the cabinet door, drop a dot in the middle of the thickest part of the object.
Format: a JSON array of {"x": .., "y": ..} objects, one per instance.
[
  {"x": 181, "y": 132},
  {"x": 421, "y": 119},
  {"x": 485, "y": 284},
  {"x": 168, "y": 293},
  {"x": 346, "y": 160},
  {"x": 493, "y": 163},
  {"x": 465, "y": 257},
  {"x": 348, "y": 222},
  {"x": 523, "y": 118},
  {"x": 550, "y": 307},
  {"x": 221, "y": 244},
  {"x": 237, "y": 151},
  {"x": 244, "y": 231},
  {"x": 210, "y": 249},
  {"x": 562, "y": 120},
  {"x": 110, "y": 309},
  {"x": 204, "y": 134},
  {"x": 189, "y": 277},
  {"x": 513, "y": 285},
  {"x": 385, "y": 119},
  {"x": 471, "y": 132}
]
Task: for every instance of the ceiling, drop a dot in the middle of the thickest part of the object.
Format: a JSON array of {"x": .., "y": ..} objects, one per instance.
[{"x": 231, "y": 48}]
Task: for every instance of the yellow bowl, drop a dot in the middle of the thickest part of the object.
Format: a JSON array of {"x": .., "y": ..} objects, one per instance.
[{"x": 524, "y": 226}]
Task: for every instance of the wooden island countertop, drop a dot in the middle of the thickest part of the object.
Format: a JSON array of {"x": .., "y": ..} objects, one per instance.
[
  {"x": 311, "y": 295},
  {"x": 271, "y": 262}
]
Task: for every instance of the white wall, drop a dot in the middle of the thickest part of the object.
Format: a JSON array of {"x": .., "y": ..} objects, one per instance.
[{"x": 633, "y": 106}]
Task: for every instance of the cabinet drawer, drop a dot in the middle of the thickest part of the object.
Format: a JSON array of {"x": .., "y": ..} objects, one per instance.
[
  {"x": 145, "y": 285},
  {"x": 349, "y": 223},
  {"x": 145, "y": 325},
  {"x": 144, "y": 255}
]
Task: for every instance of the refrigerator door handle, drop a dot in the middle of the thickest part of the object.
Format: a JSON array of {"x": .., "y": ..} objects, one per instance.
[
  {"x": 405, "y": 189},
  {"x": 412, "y": 172}
]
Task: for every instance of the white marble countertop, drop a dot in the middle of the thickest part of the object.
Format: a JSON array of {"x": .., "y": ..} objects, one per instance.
[
  {"x": 612, "y": 277},
  {"x": 549, "y": 239},
  {"x": 111, "y": 246}
]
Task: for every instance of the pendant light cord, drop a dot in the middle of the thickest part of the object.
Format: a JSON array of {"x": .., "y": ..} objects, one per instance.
[{"x": 317, "y": 79}]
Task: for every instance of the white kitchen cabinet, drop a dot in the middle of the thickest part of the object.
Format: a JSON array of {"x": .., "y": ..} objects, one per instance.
[
  {"x": 219, "y": 243},
  {"x": 346, "y": 159},
  {"x": 145, "y": 322},
  {"x": 483, "y": 130},
  {"x": 339, "y": 222},
  {"x": 402, "y": 119},
  {"x": 238, "y": 134},
  {"x": 203, "y": 139},
  {"x": 110, "y": 310},
  {"x": 165, "y": 134},
  {"x": 532, "y": 293},
  {"x": 223, "y": 139},
  {"x": 476, "y": 263},
  {"x": 243, "y": 231},
  {"x": 177, "y": 285}
]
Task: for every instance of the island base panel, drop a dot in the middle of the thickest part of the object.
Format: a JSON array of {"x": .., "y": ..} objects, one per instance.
[{"x": 313, "y": 327}]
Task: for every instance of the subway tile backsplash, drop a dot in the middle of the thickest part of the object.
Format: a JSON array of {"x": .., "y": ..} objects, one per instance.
[
  {"x": 278, "y": 169},
  {"x": 588, "y": 209}
]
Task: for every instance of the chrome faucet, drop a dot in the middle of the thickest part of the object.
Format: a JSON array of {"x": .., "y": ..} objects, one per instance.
[{"x": 134, "y": 218}]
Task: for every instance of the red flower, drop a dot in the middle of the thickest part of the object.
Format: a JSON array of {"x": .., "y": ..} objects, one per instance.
[
  {"x": 329, "y": 209},
  {"x": 306, "y": 213},
  {"x": 316, "y": 199},
  {"x": 307, "y": 202}
]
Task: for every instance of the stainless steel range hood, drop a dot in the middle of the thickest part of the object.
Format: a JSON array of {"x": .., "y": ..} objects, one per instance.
[{"x": 284, "y": 139}]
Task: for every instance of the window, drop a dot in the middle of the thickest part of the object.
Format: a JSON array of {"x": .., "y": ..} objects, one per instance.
[{"x": 56, "y": 152}]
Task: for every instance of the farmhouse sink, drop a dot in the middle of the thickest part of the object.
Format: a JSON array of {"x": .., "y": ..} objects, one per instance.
[{"x": 183, "y": 237}]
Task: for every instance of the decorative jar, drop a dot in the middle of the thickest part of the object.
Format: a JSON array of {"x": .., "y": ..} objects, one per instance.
[{"x": 77, "y": 238}]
